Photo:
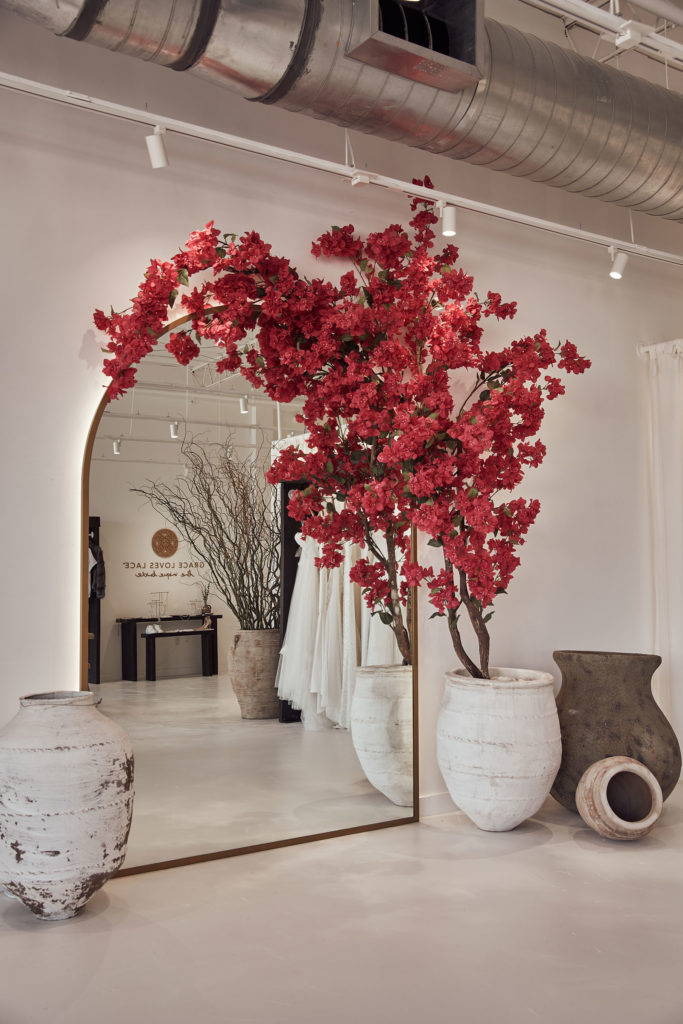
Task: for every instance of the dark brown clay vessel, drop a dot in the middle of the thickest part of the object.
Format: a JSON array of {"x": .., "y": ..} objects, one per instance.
[{"x": 606, "y": 709}]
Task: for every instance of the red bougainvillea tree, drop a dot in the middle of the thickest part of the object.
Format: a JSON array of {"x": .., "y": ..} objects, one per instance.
[{"x": 373, "y": 358}]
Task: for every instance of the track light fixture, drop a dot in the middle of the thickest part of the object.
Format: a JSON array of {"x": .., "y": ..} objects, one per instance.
[
  {"x": 116, "y": 446},
  {"x": 244, "y": 404},
  {"x": 156, "y": 147},
  {"x": 448, "y": 227},
  {"x": 174, "y": 430},
  {"x": 619, "y": 260}
]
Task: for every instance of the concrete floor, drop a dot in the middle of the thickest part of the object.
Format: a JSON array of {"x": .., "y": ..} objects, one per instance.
[
  {"x": 436, "y": 923},
  {"x": 207, "y": 780}
]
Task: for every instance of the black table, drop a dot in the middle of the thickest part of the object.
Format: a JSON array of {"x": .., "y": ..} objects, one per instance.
[{"x": 129, "y": 644}]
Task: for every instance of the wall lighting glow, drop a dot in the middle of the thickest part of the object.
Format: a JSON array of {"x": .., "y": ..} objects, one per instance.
[
  {"x": 156, "y": 147},
  {"x": 244, "y": 405},
  {"x": 116, "y": 446},
  {"x": 619, "y": 261},
  {"x": 448, "y": 227},
  {"x": 174, "y": 429}
]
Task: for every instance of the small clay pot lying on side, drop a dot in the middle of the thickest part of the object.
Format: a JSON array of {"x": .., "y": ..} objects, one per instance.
[{"x": 620, "y": 798}]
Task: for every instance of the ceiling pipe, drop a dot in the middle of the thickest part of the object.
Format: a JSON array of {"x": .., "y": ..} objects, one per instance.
[{"x": 433, "y": 74}]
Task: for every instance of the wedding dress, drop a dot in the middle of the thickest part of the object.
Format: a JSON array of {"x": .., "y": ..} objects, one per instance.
[
  {"x": 297, "y": 653},
  {"x": 329, "y": 633}
]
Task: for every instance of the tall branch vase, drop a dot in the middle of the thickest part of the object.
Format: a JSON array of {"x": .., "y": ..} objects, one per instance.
[{"x": 255, "y": 655}]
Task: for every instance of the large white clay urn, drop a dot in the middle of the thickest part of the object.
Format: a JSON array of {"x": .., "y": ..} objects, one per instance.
[
  {"x": 66, "y": 801},
  {"x": 382, "y": 729},
  {"x": 498, "y": 744}
]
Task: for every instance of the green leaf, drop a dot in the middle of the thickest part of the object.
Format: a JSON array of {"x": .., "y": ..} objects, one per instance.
[
  {"x": 173, "y": 296},
  {"x": 485, "y": 395},
  {"x": 437, "y": 615},
  {"x": 473, "y": 493},
  {"x": 368, "y": 296},
  {"x": 488, "y": 617},
  {"x": 434, "y": 542},
  {"x": 385, "y": 617},
  {"x": 183, "y": 276},
  {"x": 329, "y": 467}
]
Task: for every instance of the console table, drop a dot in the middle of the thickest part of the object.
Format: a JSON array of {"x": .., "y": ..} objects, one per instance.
[{"x": 129, "y": 644}]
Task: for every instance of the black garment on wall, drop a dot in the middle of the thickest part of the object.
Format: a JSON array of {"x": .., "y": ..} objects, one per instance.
[
  {"x": 96, "y": 591},
  {"x": 98, "y": 574},
  {"x": 289, "y": 563}
]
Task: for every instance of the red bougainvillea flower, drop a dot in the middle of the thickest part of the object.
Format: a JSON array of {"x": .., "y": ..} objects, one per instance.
[{"x": 373, "y": 360}]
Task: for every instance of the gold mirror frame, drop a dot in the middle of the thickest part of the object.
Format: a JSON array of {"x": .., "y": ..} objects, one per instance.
[{"x": 257, "y": 847}]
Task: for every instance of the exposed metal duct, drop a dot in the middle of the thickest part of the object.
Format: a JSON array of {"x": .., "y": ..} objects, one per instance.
[{"x": 433, "y": 75}]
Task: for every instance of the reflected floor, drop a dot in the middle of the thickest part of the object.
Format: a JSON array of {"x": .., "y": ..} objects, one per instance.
[{"x": 206, "y": 780}]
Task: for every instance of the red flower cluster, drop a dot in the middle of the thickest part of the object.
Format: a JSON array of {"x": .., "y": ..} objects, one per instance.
[{"x": 373, "y": 360}]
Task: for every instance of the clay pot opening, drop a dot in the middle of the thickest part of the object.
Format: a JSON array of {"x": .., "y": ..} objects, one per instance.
[{"x": 629, "y": 796}]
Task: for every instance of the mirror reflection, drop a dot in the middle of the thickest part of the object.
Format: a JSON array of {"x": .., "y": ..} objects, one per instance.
[{"x": 215, "y": 641}]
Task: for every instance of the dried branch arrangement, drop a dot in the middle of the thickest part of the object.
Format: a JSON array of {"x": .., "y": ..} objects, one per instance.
[{"x": 230, "y": 517}]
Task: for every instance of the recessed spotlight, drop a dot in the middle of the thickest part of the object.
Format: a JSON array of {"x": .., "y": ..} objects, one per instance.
[
  {"x": 156, "y": 147},
  {"x": 116, "y": 446},
  {"x": 244, "y": 404},
  {"x": 174, "y": 430}
]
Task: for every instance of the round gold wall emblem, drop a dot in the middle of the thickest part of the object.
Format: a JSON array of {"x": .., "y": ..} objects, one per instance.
[{"x": 165, "y": 543}]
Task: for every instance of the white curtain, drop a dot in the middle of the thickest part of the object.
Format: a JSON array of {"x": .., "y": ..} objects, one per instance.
[{"x": 664, "y": 363}]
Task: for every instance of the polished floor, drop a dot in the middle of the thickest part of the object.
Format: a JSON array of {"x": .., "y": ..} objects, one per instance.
[
  {"x": 435, "y": 923},
  {"x": 207, "y": 780}
]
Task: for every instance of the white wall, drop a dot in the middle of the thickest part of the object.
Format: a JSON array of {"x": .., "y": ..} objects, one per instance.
[{"x": 82, "y": 212}]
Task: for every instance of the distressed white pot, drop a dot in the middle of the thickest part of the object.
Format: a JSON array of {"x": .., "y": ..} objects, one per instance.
[
  {"x": 382, "y": 729},
  {"x": 255, "y": 656},
  {"x": 498, "y": 744},
  {"x": 66, "y": 801}
]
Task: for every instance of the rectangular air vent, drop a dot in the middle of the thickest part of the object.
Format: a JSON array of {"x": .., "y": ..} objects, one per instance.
[{"x": 436, "y": 42}]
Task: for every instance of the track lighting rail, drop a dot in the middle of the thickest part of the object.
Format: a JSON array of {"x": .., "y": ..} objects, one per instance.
[{"x": 157, "y": 121}]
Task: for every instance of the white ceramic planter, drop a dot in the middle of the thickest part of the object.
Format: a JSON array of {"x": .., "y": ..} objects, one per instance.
[
  {"x": 498, "y": 744},
  {"x": 255, "y": 655},
  {"x": 66, "y": 802},
  {"x": 382, "y": 729}
]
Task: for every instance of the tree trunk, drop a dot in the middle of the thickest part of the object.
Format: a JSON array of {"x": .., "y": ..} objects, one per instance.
[
  {"x": 458, "y": 645},
  {"x": 477, "y": 620}
]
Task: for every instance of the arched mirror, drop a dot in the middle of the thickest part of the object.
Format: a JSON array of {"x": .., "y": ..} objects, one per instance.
[{"x": 211, "y": 636}]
